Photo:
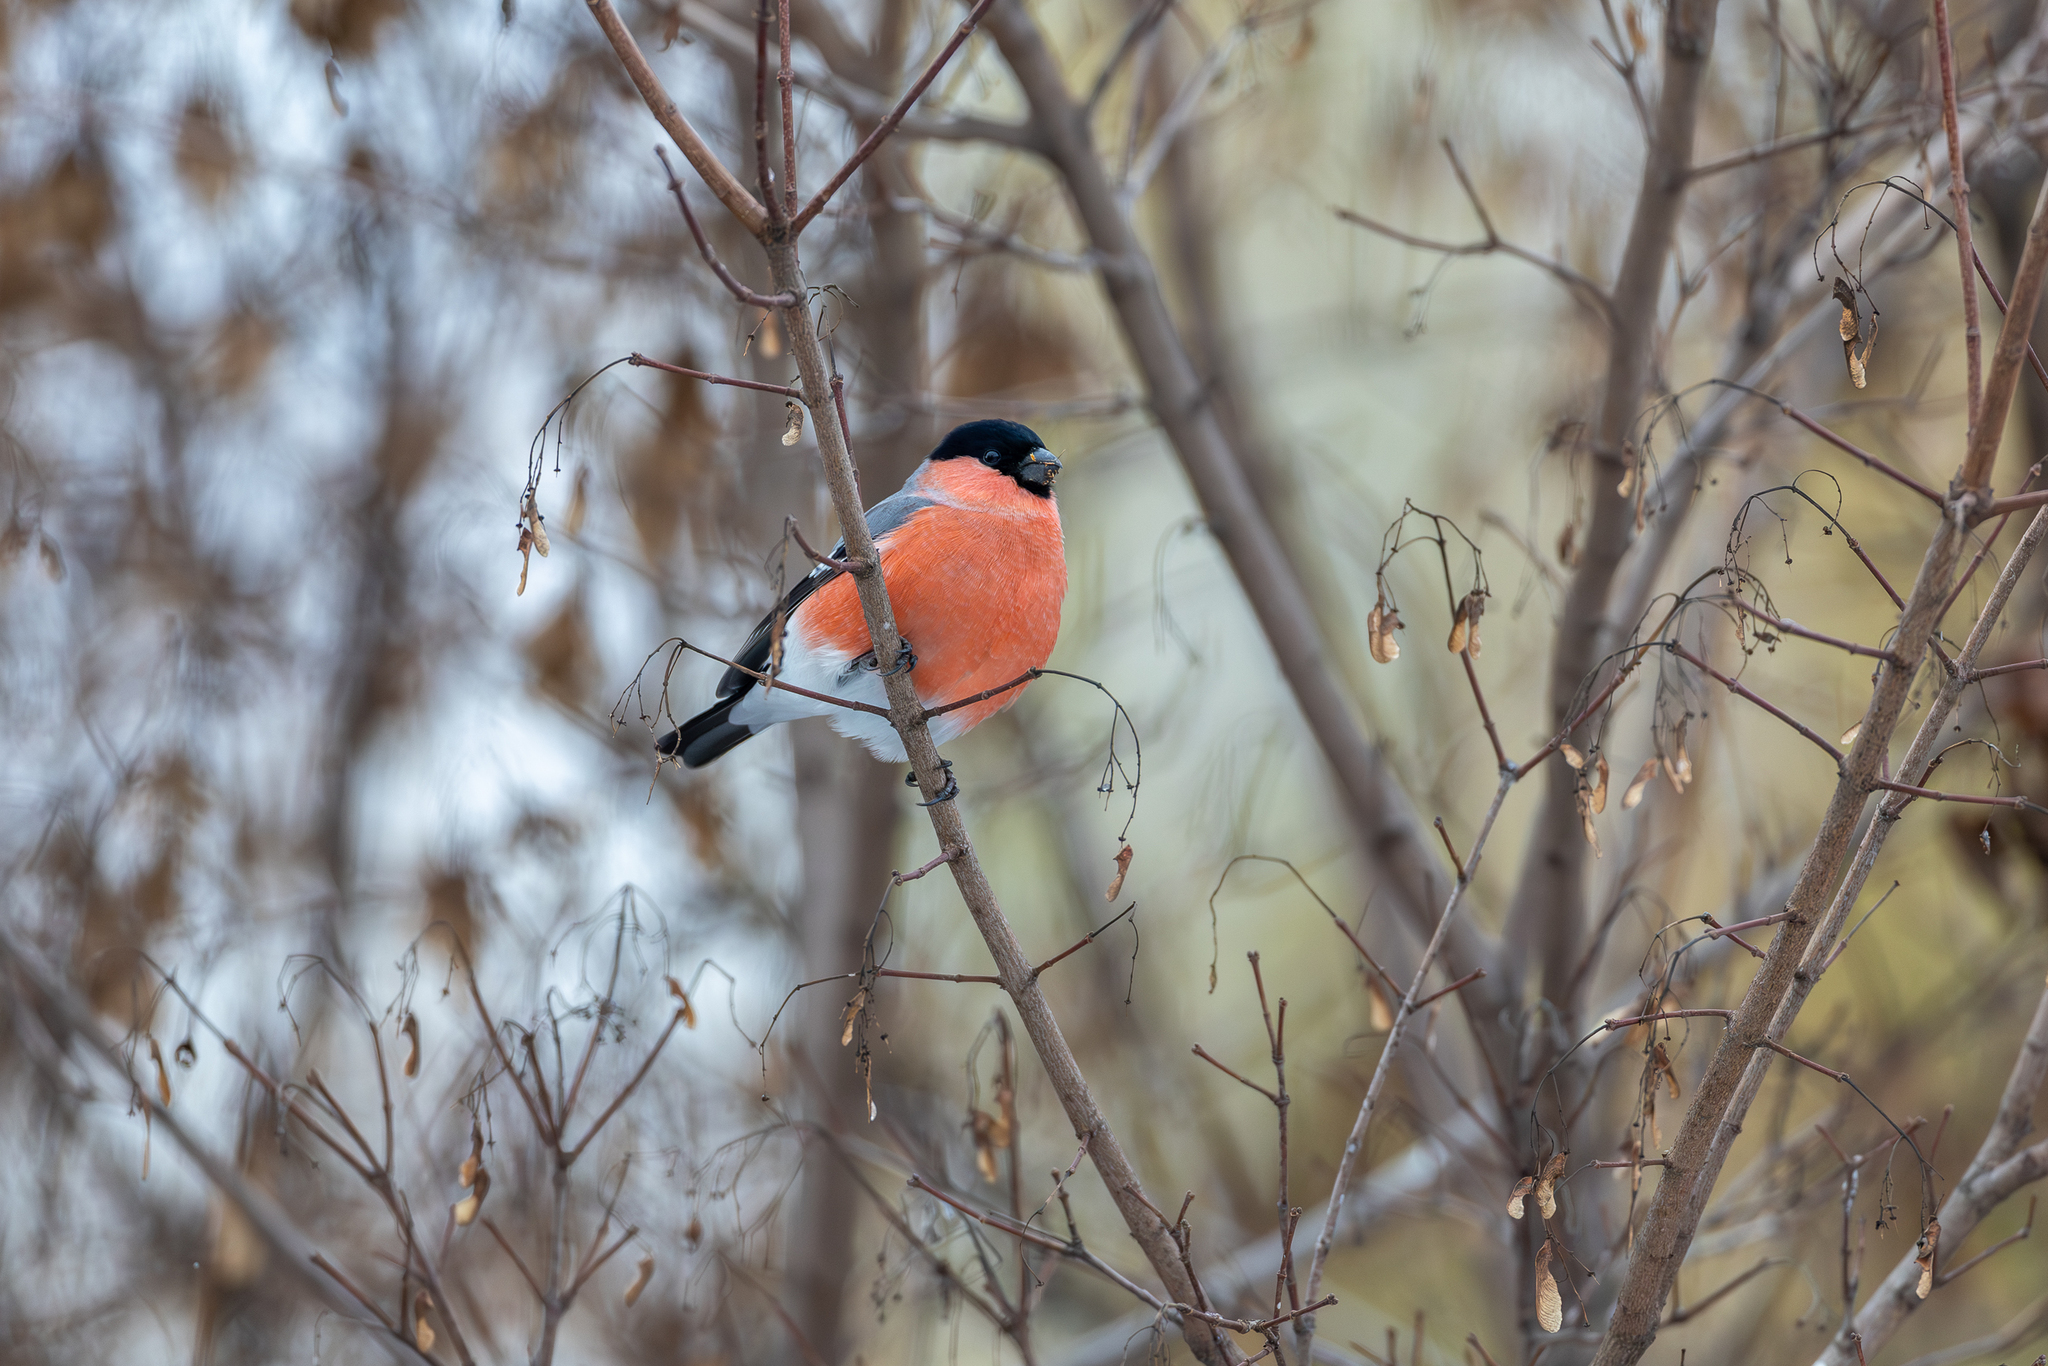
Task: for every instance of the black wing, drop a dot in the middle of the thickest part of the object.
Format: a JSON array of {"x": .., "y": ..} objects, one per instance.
[{"x": 883, "y": 518}]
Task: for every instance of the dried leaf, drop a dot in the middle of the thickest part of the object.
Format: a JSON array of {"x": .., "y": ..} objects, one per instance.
[
  {"x": 1928, "y": 1247},
  {"x": 686, "y": 1010},
  {"x": 794, "y": 431},
  {"x": 640, "y": 1280},
  {"x": 1599, "y": 797},
  {"x": 411, "y": 1029},
  {"x": 1630, "y": 798},
  {"x": 467, "y": 1207},
  {"x": 1518, "y": 1194},
  {"x": 1549, "y": 1303},
  {"x": 1546, "y": 1189},
  {"x": 421, "y": 1333},
  {"x": 1123, "y": 867},
  {"x": 1572, "y": 756}
]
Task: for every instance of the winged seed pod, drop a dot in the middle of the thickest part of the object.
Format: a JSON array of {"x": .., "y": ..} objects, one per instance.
[
  {"x": 422, "y": 1334},
  {"x": 1928, "y": 1247},
  {"x": 1516, "y": 1196},
  {"x": 411, "y": 1029},
  {"x": 163, "y": 1076},
  {"x": 1572, "y": 756},
  {"x": 1460, "y": 629},
  {"x": 1636, "y": 786},
  {"x": 1549, "y": 1304},
  {"x": 1475, "y": 608},
  {"x": 467, "y": 1207},
  {"x": 640, "y": 1280},
  {"x": 1123, "y": 867},
  {"x": 794, "y": 432},
  {"x": 1849, "y": 735},
  {"x": 686, "y": 1010},
  {"x": 1600, "y": 784},
  {"x": 536, "y": 523},
  {"x": 1380, "y": 625},
  {"x": 1546, "y": 1189}
]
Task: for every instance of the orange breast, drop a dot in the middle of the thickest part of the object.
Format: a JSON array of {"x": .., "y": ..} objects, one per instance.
[{"x": 976, "y": 590}]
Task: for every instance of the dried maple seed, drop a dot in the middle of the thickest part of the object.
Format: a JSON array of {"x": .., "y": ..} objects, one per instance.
[
  {"x": 467, "y": 1207},
  {"x": 411, "y": 1029},
  {"x": 1516, "y": 1196},
  {"x": 163, "y": 1076},
  {"x": 793, "y": 433},
  {"x": 1630, "y": 798},
  {"x": 640, "y": 1280},
  {"x": 1549, "y": 1303},
  {"x": 1546, "y": 1188},
  {"x": 1123, "y": 867},
  {"x": 686, "y": 1010},
  {"x": 1572, "y": 756}
]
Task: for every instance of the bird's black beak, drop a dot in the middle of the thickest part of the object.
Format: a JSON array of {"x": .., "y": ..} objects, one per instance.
[{"x": 1041, "y": 467}]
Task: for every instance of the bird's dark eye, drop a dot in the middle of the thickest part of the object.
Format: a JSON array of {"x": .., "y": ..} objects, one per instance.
[{"x": 991, "y": 459}]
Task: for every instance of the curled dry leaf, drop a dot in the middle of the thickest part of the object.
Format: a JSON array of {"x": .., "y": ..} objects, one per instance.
[
  {"x": 640, "y": 1280},
  {"x": 1638, "y": 784},
  {"x": 794, "y": 431},
  {"x": 1599, "y": 797},
  {"x": 1123, "y": 867},
  {"x": 1928, "y": 1247},
  {"x": 1546, "y": 1189},
  {"x": 163, "y": 1075},
  {"x": 1549, "y": 1303},
  {"x": 480, "y": 1186},
  {"x": 686, "y": 1010},
  {"x": 422, "y": 1334},
  {"x": 1518, "y": 1194},
  {"x": 410, "y": 1027}
]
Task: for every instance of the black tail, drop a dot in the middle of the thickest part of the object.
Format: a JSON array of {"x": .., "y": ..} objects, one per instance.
[{"x": 706, "y": 735}]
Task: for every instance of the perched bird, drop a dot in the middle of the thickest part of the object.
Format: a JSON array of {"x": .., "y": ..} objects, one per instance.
[{"x": 976, "y": 568}]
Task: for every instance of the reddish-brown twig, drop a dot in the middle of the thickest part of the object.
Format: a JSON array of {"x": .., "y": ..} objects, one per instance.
[
  {"x": 704, "y": 249},
  {"x": 883, "y": 129},
  {"x": 945, "y": 857},
  {"x": 1500, "y": 755},
  {"x": 1467, "y": 980},
  {"x": 1959, "y": 193},
  {"x": 783, "y": 389},
  {"x": 1932, "y": 795},
  {"x": 1793, "y": 628},
  {"x": 1749, "y": 696}
]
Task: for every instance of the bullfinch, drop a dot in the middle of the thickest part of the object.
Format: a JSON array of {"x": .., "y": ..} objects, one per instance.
[{"x": 976, "y": 568}]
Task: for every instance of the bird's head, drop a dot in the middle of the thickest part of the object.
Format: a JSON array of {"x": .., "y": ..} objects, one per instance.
[{"x": 1009, "y": 448}]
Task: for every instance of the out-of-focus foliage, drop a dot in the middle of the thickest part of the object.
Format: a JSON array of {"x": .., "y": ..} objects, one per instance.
[{"x": 286, "y": 291}]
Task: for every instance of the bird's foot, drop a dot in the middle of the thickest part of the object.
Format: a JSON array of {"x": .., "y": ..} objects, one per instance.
[
  {"x": 906, "y": 658},
  {"x": 947, "y": 793}
]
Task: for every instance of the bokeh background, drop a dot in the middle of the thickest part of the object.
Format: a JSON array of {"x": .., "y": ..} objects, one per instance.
[{"x": 287, "y": 291}]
